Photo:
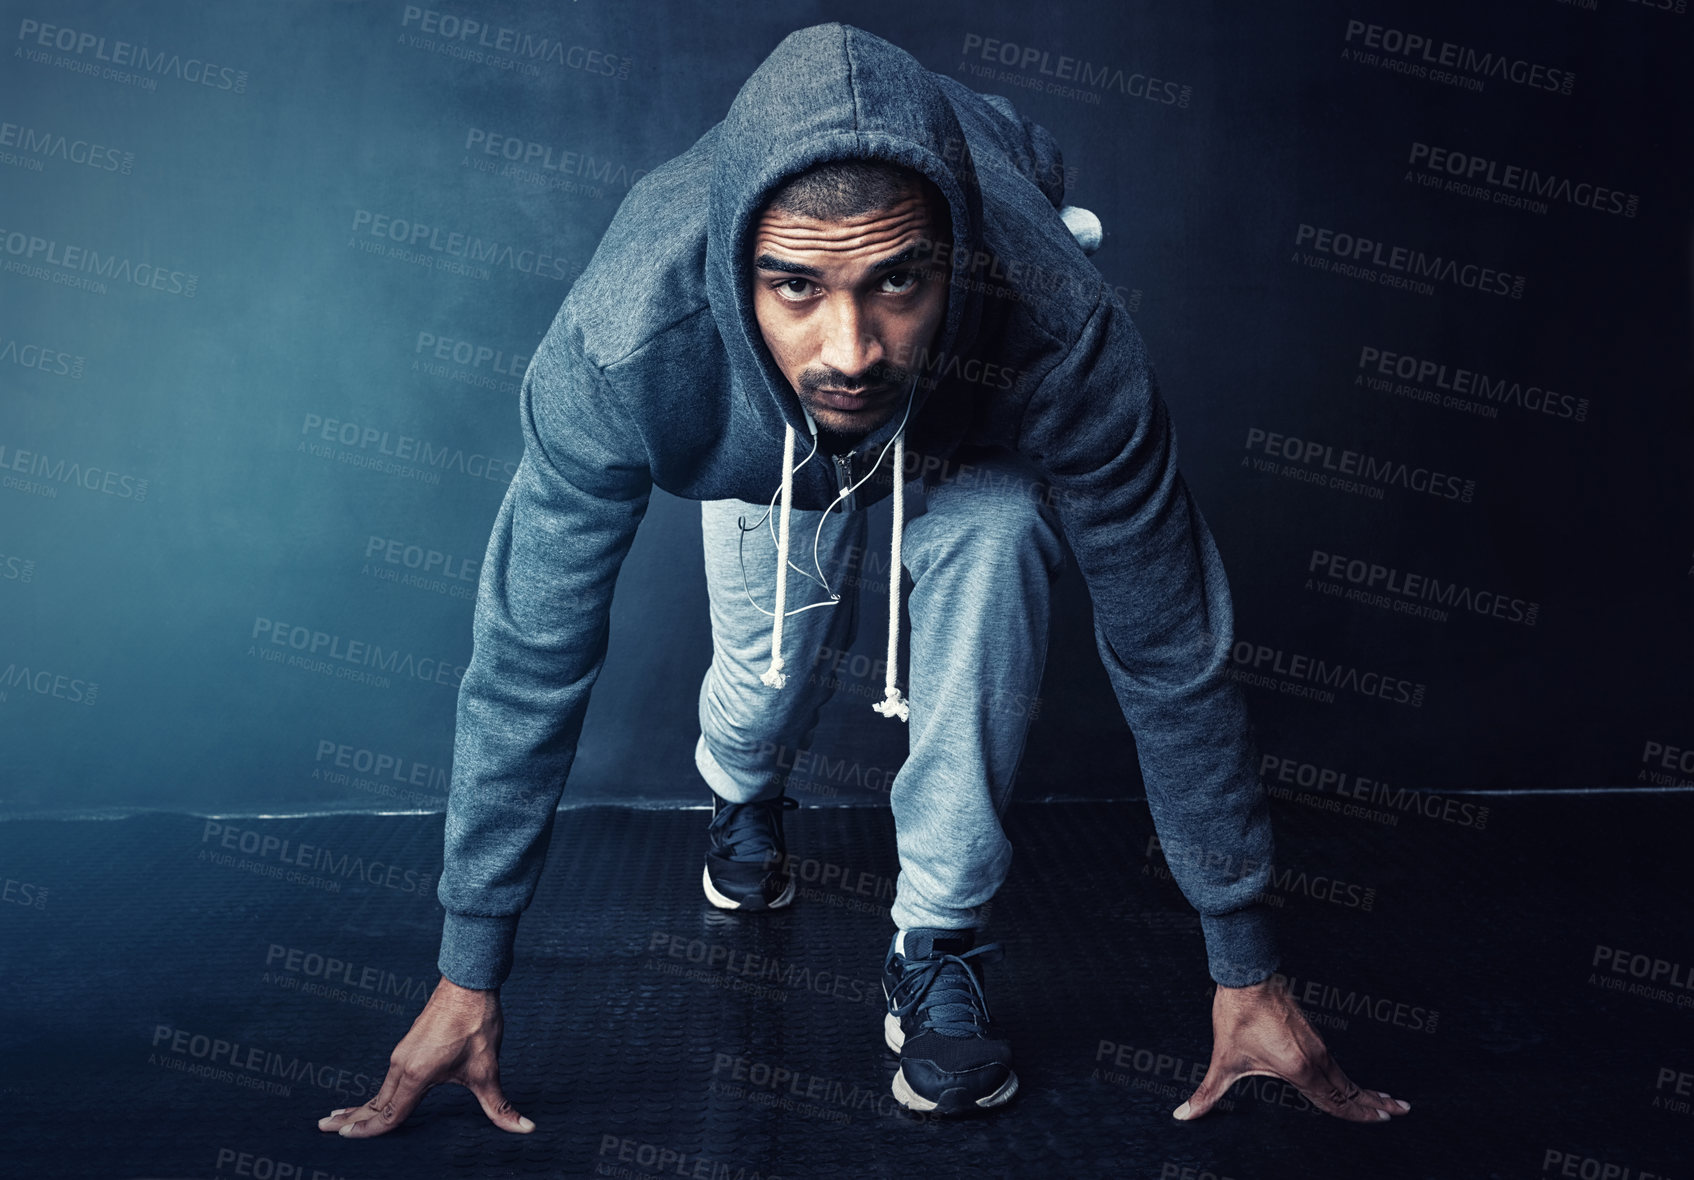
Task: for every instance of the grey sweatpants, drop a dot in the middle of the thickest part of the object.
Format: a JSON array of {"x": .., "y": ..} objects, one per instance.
[{"x": 981, "y": 549}]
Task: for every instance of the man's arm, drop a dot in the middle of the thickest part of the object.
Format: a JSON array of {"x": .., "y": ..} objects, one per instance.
[
  {"x": 1164, "y": 625},
  {"x": 542, "y": 613}
]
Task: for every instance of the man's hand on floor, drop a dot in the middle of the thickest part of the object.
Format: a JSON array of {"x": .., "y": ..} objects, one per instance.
[
  {"x": 1261, "y": 1030},
  {"x": 456, "y": 1038}
]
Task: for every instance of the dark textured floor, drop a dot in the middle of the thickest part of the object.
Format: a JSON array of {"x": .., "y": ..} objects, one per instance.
[{"x": 167, "y": 1012}]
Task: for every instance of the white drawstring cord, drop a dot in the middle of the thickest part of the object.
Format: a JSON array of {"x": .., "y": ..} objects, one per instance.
[
  {"x": 892, "y": 703},
  {"x": 774, "y": 676}
]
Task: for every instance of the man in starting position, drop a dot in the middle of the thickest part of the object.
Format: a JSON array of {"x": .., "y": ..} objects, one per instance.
[{"x": 857, "y": 286}]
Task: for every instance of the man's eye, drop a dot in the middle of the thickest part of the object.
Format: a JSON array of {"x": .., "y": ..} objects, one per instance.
[
  {"x": 899, "y": 282},
  {"x": 794, "y": 290}
]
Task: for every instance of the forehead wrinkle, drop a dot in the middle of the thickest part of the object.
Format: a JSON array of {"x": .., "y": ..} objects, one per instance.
[
  {"x": 864, "y": 231},
  {"x": 880, "y": 242},
  {"x": 853, "y": 246}
]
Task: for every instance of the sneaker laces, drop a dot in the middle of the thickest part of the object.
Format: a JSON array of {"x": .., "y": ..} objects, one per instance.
[
  {"x": 956, "y": 1005},
  {"x": 747, "y": 831}
]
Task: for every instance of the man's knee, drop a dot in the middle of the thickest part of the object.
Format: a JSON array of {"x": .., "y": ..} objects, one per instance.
[{"x": 1004, "y": 531}]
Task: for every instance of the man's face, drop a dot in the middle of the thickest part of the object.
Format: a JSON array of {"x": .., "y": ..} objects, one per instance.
[{"x": 848, "y": 308}]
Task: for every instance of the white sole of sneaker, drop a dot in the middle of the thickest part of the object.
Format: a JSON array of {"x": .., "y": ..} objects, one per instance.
[
  {"x": 726, "y": 903},
  {"x": 911, "y": 1100}
]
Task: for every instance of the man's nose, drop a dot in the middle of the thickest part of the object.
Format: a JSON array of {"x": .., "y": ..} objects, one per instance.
[{"x": 849, "y": 346}]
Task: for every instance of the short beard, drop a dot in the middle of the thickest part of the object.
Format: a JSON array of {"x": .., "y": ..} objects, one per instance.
[
  {"x": 838, "y": 442},
  {"x": 833, "y": 442}
]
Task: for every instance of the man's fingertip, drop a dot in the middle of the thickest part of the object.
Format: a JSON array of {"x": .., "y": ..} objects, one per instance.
[
  {"x": 1181, "y": 1112},
  {"x": 525, "y": 1125}
]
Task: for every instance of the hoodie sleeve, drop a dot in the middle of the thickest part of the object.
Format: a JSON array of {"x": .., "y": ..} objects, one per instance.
[
  {"x": 1164, "y": 626},
  {"x": 542, "y": 612}
]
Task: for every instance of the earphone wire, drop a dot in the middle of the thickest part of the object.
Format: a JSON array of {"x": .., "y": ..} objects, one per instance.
[{"x": 817, "y": 538}]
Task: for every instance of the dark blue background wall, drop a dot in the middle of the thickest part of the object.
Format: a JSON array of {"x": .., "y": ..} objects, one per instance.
[{"x": 231, "y": 402}]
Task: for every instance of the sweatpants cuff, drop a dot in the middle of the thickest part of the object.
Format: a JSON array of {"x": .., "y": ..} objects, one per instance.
[
  {"x": 724, "y": 785},
  {"x": 1240, "y": 946},
  {"x": 476, "y": 951}
]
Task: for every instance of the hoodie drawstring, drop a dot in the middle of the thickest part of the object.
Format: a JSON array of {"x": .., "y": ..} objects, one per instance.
[
  {"x": 892, "y": 704},
  {"x": 774, "y": 675}
]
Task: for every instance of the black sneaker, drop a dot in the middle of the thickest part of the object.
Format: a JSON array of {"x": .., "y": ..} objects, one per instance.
[
  {"x": 950, "y": 1060},
  {"x": 746, "y": 868}
]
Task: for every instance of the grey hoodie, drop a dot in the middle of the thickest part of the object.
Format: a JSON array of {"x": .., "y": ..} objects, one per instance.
[{"x": 654, "y": 372}]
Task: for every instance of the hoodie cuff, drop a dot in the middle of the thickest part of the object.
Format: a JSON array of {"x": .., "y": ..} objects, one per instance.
[
  {"x": 1240, "y": 946},
  {"x": 476, "y": 951}
]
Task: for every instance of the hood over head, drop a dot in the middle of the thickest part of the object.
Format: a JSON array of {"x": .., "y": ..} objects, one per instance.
[{"x": 830, "y": 92}]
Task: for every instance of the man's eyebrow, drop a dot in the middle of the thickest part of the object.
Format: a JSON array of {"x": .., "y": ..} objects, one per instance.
[
  {"x": 772, "y": 262},
  {"x": 906, "y": 255}
]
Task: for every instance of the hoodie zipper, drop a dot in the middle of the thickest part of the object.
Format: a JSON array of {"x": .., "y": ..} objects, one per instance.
[{"x": 844, "y": 473}]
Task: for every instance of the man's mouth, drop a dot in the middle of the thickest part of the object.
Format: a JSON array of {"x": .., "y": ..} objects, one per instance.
[{"x": 853, "y": 399}]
